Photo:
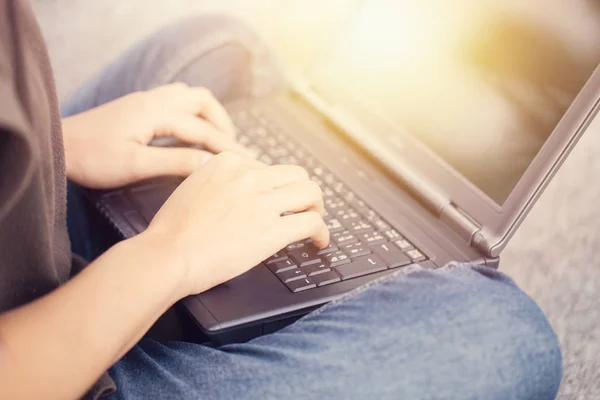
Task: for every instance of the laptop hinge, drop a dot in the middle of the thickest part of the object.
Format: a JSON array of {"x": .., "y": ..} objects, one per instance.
[{"x": 460, "y": 222}]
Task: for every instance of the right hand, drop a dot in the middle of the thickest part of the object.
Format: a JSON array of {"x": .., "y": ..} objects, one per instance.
[{"x": 227, "y": 217}]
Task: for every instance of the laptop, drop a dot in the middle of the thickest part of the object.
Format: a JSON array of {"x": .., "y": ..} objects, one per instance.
[{"x": 431, "y": 128}]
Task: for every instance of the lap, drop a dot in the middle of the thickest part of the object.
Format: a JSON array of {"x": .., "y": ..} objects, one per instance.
[{"x": 454, "y": 333}]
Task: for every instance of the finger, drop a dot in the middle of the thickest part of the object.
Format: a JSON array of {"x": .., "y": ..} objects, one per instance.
[
  {"x": 192, "y": 129},
  {"x": 203, "y": 103},
  {"x": 304, "y": 225},
  {"x": 151, "y": 162},
  {"x": 238, "y": 162},
  {"x": 281, "y": 175},
  {"x": 297, "y": 197}
]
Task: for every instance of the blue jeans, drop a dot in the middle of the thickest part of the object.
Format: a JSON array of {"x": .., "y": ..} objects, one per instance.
[{"x": 459, "y": 332}]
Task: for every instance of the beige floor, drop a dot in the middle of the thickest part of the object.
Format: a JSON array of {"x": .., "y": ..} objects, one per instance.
[{"x": 552, "y": 257}]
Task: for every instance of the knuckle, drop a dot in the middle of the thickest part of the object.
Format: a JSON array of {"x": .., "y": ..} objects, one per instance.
[
  {"x": 205, "y": 93},
  {"x": 302, "y": 172}
]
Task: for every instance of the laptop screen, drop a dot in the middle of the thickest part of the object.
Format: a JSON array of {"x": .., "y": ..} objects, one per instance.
[{"x": 482, "y": 83}]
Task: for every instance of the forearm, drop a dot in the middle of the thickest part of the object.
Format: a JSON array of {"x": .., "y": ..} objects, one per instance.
[{"x": 57, "y": 346}]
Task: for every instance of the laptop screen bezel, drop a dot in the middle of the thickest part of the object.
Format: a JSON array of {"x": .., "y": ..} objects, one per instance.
[{"x": 498, "y": 221}]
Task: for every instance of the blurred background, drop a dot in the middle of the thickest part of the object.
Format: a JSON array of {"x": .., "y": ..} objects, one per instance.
[{"x": 552, "y": 257}]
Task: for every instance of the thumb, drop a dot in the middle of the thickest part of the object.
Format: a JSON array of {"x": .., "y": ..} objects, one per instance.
[{"x": 164, "y": 161}]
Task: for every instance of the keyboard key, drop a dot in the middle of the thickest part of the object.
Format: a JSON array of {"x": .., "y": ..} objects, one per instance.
[
  {"x": 319, "y": 171},
  {"x": 337, "y": 258},
  {"x": 271, "y": 143},
  {"x": 391, "y": 255},
  {"x": 306, "y": 255},
  {"x": 261, "y": 131},
  {"x": 393, "y": 234},
  {"x": 338, "y": 187},
  {"x": 279, "y": 256},
  {"x": 334, "y": 203},
  {"x": 301, "y": 285},
  {"x": 330, "y": 178},
  {"x": 318, "y": 181},
  {"x": 316, "y": 269},
  {"x": 371, "y": 238},
  {"x": 415, "y": 255},
  {"x": 370, "y": 215},
  {"x": 309, "y": 162},
  {"x": 347, "y": 194},
  {"x": 334, "y": 225},
  {"x": 358, "y": 226},
  {"x": 300, "y": 153},
  {"x": 403, "y": 244},
  {"x": 277, "y": 153},
  {"x": 327, "y": 192},
  {"x": 347, "y": 215},
  {"x": 291, "y": 275},
  {"x": 291, "y": 145},
  {"x": 326, "y": 279},
  {"x": 282, "y": 266},
  {"x": 380, "y": 225},
  {"x": 254, "y": 151},
  {"x": 343, "y": 238},
  {"x": 356, "y": 250},
  {"x": 295, "y": 245},
  {"x": 329, "y": 249},
  {"x": 288, "y": 160},
  {"x": 358, "y": 205},
  {"x": 266, "y": 159},
  {"x": 244, "y": 140},
  {"x": 361, "y": 266}
]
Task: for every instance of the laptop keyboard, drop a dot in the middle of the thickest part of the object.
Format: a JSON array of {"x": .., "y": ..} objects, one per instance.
[{"x": 362, "y": 242}]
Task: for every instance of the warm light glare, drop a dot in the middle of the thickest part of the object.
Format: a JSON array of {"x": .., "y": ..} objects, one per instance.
[
  {"x": 393, "y": 33},
  {"x": 481, "y": 82}
]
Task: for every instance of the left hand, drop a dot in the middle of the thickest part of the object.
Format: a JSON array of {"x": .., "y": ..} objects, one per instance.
[{"x": 107, "y": 146}]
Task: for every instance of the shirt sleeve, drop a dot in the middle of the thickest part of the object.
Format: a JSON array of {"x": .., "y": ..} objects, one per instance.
[{"x": 17, "y": 153}]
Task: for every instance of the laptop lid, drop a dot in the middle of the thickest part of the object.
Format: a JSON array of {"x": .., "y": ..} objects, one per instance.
[{"x": 473, "y": 103}]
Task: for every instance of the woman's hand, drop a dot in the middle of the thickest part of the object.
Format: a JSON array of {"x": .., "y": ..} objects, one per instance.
[
  {"x": 227, "y": 217},
  {"x": 107, "y": 147}
]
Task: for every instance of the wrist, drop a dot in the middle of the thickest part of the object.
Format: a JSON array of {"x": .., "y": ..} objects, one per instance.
[
  {"x": 192, "y": 267},
  {"x": 159, "y": 259}
]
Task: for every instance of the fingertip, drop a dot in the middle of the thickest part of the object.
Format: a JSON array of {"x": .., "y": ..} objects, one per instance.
[{"x": 322, "y": 239}]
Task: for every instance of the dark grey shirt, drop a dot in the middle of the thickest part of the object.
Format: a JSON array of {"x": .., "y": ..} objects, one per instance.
[{"x": 35, "y": 254}]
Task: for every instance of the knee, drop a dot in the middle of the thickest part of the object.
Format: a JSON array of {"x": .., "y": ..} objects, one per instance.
[
  {"x": 230, "y": 43},
  {"x": 520, "y": 355},
  {"x": 492, "y": 340}
]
